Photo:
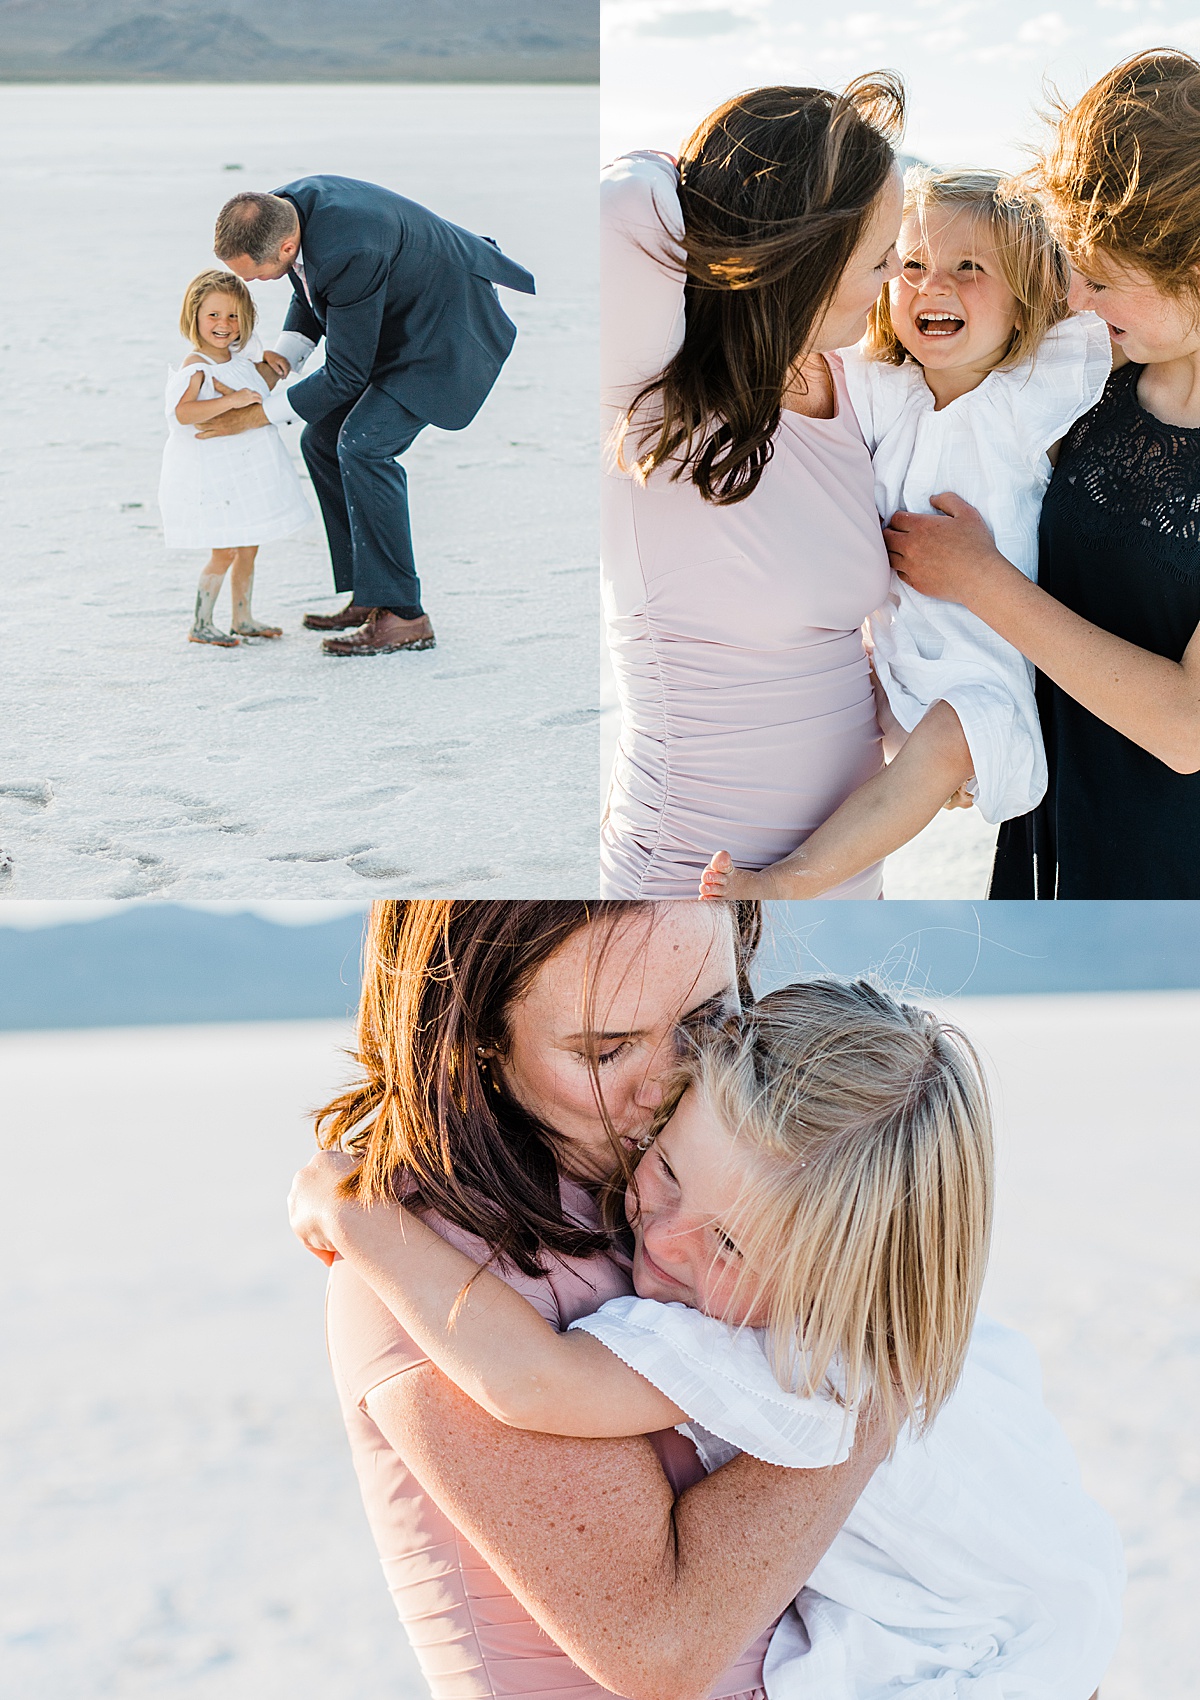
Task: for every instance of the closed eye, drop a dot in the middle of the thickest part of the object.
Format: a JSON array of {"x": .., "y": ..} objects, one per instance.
[
  {"x": 726, "y": 1244},
  {"x": 603, "y": 1058},
  {"x": 665, "y": 1167}
]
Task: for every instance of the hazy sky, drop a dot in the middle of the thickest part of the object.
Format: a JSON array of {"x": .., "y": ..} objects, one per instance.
[{"x": 974, "y": 69}]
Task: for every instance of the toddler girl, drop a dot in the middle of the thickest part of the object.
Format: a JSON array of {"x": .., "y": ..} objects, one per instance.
[
  {"x": 968, "y": 377},
  {"x": 821, "y": 1178},
  {"x": 227, "y": 494}
]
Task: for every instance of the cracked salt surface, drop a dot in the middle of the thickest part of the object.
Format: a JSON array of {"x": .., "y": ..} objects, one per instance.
[{"x": 136, "y": 764}]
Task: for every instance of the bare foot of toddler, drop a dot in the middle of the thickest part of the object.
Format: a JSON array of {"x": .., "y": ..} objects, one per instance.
[
  {"x": 251, "y": 628},
  {"x": 205, "y": 632},
  {"x": 722, "y": 879}
]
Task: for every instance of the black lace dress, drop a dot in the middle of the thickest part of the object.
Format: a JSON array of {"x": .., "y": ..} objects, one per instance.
[{"x": 1119, "y": 543}]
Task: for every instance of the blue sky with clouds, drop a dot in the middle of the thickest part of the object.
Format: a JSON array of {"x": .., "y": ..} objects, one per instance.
[{"x": 974, "y": 69}]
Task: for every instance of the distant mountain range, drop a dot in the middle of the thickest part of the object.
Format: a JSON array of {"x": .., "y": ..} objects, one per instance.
[
  {"x": 161, "y": 963},
  {"x": 300, "y": 40}
]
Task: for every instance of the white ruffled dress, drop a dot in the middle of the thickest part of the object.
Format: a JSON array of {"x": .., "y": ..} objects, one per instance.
[
  {"x": 226, "y": 492},
  {"x": 988, "y": 447},
  {"x": 973, "y": 1567}
]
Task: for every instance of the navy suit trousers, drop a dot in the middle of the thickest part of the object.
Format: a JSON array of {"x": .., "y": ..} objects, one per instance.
[{"x": 363, "y": 492}]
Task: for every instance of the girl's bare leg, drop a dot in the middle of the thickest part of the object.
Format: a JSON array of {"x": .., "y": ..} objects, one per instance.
[
  {"x": 241, "y": 586},
  {"x": 211, "y": 579}
]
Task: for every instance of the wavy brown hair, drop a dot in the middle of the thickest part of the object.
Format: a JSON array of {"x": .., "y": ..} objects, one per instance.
[
  {"x": 431, "y": 1126},
  {"x": 1121, "y": 178},
  {"x": 777, "y": 187}
]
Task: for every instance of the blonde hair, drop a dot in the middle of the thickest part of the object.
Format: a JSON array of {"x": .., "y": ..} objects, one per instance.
[
  {"x": 865, "y": 1228},
  {"x": 1121, "y": 179},
  {"x": 216, "y": 283},
  {"x": 1026, "y": 255}
]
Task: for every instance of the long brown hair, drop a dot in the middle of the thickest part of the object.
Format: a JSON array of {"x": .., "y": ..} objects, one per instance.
[
  {"x": 1121, "y": 178},
  {"x": 430, "y": 1125},
  {"x": 777, "y": 187}
]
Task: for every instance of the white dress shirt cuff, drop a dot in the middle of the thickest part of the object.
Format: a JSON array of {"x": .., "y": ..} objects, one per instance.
[{"x": 294, "y": 348}]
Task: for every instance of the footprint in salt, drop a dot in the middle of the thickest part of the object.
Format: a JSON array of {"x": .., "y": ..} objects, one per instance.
[{"x": 39, "y": 793}]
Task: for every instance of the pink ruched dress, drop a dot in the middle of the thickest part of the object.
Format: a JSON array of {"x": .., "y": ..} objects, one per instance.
[
  {"x": 747, "y": 712},
  {"x": 474, "y": 1641}
]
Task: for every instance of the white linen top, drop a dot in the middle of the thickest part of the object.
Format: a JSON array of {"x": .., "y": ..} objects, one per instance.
[
  {"x": 989, "y": 447},
  {"x": 973, "y": 1567}
]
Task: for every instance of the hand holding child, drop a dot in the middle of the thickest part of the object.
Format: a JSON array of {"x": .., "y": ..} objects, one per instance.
[{"x": 943, "y": 554}]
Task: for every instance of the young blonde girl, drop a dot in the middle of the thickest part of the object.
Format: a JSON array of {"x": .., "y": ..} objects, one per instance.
[
  {"x": 821, "y": 1177},
  {"x": 224, "y": 493},
  {"x": 970, "y": 374}
]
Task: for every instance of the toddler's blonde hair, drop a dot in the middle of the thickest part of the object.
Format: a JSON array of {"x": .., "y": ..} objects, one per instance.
[
  {"x": 217, "y": 283},
  {"x": 1024, "y": 251},
  {"x": 865, "y": 1228}
]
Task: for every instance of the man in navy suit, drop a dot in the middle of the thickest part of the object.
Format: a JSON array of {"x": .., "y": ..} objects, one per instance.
[{"x": 414, "y": 336}]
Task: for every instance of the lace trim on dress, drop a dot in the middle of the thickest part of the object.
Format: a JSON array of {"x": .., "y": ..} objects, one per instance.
[{"x": 1143, "y": 474}]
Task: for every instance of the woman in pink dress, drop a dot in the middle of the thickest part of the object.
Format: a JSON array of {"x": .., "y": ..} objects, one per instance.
[
  {"x": 522, "y": 1563},
  {"x": 740, "y": 541}
]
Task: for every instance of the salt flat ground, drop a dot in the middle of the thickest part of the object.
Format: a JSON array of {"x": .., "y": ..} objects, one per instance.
[
  {"x": 136, "y": 764},
  {"x": 181, "y": 1520}
]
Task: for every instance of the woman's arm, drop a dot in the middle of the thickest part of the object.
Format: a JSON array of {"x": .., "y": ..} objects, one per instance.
[
  {"x": 653, "y": 1599},
  {"x": 189, "y": 411},
  {"x": 641, "y": 275},
  {"x": 489, "y": 1340},
  {"x": 1153, "y": 701}
]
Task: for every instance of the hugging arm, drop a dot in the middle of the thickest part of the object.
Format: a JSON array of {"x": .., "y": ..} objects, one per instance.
[
  {"x": 190, "y": 411},
  {"x": 653, "y": 1598},
  {"x": 489, "y": 1340}
]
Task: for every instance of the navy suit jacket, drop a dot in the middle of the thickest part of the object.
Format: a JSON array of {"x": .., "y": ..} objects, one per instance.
[{"x": 404, "y": 300}]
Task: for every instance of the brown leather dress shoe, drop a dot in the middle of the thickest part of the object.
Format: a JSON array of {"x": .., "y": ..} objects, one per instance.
[
  {"x": 383, "y": 634},
  {"x": 353, "y": 614}
]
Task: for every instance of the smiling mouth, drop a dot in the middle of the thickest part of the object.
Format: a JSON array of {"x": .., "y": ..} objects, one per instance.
[
  {"x": 939, "y": 324},
  {"x": 656, "y": 1269}
]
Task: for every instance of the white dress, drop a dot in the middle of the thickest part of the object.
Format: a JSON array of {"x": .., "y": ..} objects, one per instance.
[
  {"x": 226, "y": 492},
  {"x": 973, "y": 1567},
  {"x": 988, "y": 447}
]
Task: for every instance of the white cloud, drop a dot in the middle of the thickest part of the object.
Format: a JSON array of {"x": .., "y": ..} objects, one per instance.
[
  {"x": 1048, "y": 30},
  {"x": 1182, "y": 32}
]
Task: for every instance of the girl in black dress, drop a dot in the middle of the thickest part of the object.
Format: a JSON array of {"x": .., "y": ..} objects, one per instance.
[{"x": 1113, "y": 625}]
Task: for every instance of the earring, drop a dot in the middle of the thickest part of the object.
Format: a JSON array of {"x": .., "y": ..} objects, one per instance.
[{"x": 646, "y": 1141}]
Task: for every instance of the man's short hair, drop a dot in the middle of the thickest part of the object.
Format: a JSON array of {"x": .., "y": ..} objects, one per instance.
[{"x": 253, "y": 225}]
